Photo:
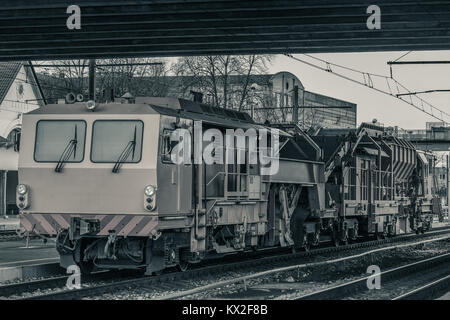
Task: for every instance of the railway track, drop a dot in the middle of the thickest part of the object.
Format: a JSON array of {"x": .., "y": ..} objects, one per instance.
[
  {"x": 185, "y": 294},
  {"x": 174, "y": 281},
  {"x": 14, "y": 235},
  {"x": 392, "y": 280},
  {"x": 16, "y": 289},
  {"x": 57, "y": 283},
  {"x": 8, "y": 235},
  {"x": 429, "y": 291}
]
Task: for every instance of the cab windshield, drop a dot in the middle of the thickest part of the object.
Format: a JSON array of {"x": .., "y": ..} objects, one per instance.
[
  {"x": 117, "y": 140},
  {"x": 53, "y": 137}
]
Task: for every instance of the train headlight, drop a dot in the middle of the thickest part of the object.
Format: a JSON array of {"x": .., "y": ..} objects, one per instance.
[
  {"x": 22, "y": 195},
  {"x": 22, "y": 189},
  {"x": 149, "y": 191},
  {"x": 150, "y": 198},
  {"x": 90, "y": 105}
]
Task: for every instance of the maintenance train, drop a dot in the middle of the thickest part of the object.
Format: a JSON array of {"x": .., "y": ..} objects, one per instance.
[{"x": 102, "y": 179}]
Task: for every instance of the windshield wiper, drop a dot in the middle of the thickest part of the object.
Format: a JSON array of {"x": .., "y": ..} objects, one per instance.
[
  {"x": 129, "y": 148},
  {"x": 70, "y": 148}
]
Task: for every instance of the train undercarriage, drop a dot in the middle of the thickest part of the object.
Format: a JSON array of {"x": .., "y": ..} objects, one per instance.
[{"x": 299, "y": 228}]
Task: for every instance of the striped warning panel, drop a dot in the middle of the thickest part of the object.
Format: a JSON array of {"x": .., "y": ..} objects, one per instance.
[{"x": 123, "y": 225}]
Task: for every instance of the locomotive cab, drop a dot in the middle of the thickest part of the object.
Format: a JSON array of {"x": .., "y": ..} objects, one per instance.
[{"x": 76, "y": 168}]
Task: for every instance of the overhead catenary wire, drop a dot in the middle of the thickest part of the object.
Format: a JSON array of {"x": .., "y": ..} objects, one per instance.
[
  {"x": 420, "y": 92},
  {"x": 395, "y": 62},
  {"x": 402, "y": 56},
  {"x": 366, "y": 79}
]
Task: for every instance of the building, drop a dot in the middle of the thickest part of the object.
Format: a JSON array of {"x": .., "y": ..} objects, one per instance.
[
  {"x": 314, "y": 110},
  {"x": 441, "y": 180},
  {"x": 271, "y": 97},
  {"x": 441, "y": 175},
  {"x": 19, "y": 93}
]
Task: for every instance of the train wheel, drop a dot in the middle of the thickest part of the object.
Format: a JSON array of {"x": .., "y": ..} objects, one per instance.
[
  {"x": 334, "y": 236},
  {"x": 335, "y": 239},
  {"x": 183, "y": 266},
  {"x": 354, "y": 232},
  {"x": 316, "y": 238},
  {"x": 184, "y": 255},
  {"x": 344, "y": 241},
  {"x": 306, "y": 242},
  {"x": 86, "y": 267},
  {"x": 335, "y": 242},
  {"x": 392, "y": 231},
  {"x": 344, "y": 238}
]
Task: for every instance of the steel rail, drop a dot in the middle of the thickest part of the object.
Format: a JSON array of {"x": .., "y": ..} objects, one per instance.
[
  {"x": 27, "y": 286},
  {"x": 244, "y": 279},
  {"x": 358, "y": 285},
  {"x": 59, "y": 281},
  {"x": 166, "y": 279},
  {"x": 429, "y": 291}
]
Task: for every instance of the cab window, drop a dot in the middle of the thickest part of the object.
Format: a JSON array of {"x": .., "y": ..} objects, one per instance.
[
  {"x": 54, "y": 136},
  {"x": 167, "y": 145},
  {"x": 112, "y": 139}
]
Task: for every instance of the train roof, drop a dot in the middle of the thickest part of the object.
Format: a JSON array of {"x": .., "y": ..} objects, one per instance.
[
  {"x": 162, "y": 105},
  {"x": 102, "y": 108},
  {"x": 334, "y": 132}
]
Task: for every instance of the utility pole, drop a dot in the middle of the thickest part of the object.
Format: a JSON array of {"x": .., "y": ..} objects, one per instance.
[
  {"x": 92, "y": 79},
  {"x": 303, "y": 109},
  {"x": 295, "y": 110},
  {"x": 447, "y": 179},
  {"x": 3, "y": 188}
]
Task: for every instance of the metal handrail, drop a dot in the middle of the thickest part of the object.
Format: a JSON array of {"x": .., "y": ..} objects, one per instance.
[{"x": 215, "y": 176}]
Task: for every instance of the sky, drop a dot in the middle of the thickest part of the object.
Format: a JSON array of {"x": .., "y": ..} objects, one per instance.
[{"x": 372, "y": 104}]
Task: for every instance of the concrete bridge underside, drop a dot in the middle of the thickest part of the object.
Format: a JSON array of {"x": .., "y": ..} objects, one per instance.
[{"x": 36, "y": 29}]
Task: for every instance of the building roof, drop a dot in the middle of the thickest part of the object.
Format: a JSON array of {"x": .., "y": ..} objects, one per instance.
[{"x": 8, "y": 74}]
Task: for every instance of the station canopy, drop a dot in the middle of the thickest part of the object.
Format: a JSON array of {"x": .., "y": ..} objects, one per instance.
[{"x": 37, "y": 30}]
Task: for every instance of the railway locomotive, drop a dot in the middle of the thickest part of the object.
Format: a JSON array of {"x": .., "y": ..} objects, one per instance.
[{"x": 104, "y": 182}]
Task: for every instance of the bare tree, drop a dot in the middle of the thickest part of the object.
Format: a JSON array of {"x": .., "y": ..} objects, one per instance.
[
  {"x": 139, "y": 76},
  {"x": 213, "y": 75},
  {"x": 72, "y": 73}
]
